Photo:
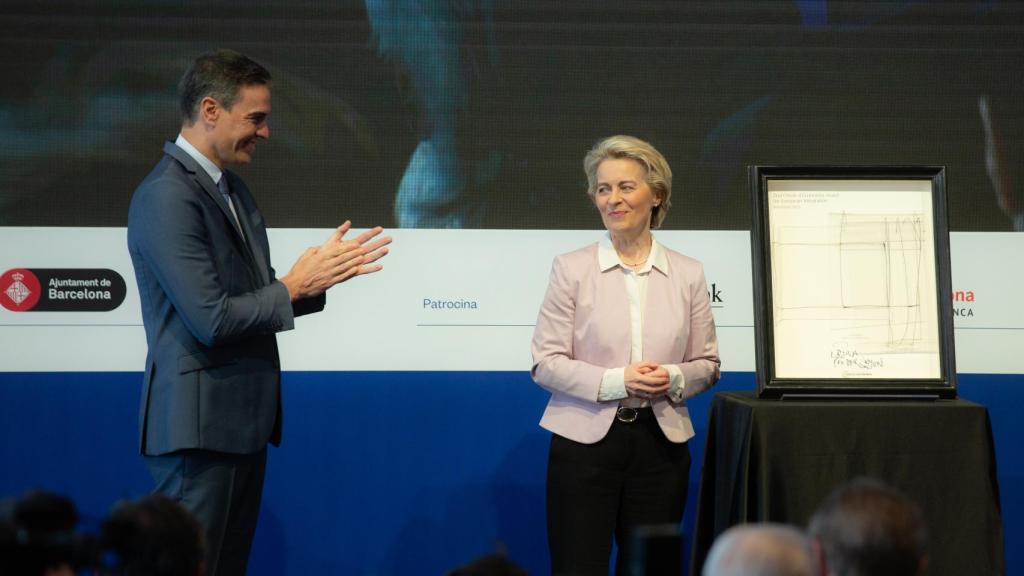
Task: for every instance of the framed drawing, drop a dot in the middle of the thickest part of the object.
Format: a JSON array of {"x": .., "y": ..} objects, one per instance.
[{"x": 852, "y": 291}]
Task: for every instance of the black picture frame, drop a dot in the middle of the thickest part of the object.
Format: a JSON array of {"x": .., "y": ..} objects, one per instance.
[{"x": 875, "y": 317}]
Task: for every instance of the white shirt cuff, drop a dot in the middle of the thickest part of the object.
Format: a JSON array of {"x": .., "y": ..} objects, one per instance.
[
  {"x": 676, "y": 382},
  {"x": 613, "y": 385}
]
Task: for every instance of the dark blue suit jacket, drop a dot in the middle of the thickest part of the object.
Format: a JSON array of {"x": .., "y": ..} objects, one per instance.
[{"x": 211, "y": 307}]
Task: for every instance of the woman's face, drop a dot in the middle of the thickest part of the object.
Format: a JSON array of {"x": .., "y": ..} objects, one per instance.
[{"x": 623, "y": 196}]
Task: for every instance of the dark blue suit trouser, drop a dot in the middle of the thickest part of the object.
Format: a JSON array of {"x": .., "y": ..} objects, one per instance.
[{"x": 223, "y": 491}]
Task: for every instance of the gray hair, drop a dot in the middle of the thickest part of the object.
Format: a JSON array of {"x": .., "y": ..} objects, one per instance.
[{"x": 760, "y": 550}]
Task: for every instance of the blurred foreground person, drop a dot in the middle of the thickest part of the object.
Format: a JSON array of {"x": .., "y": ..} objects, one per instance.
[
  {"x": 866, "y": 528},
  {"x": 38, "y": 537},
  {"x": 490, "y": 565},
  {"x": 760, "y": 550},
  {"x": 155, "y": 536}
]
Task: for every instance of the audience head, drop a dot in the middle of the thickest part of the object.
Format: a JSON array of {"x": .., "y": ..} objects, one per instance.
[
  {"x": 760, "y": 550},
  {"x": 867, "y": 528},
  {"x": 38, "y": 537},
  {"x": 490, "y": 565},
  {"x": 154, "y": 536}
]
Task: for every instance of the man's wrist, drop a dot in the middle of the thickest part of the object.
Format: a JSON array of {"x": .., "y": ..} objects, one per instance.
[{"x": 291, "y": 285}]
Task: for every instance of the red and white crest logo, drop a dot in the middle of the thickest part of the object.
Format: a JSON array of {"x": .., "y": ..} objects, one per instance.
[{"x": 20, "y": 288}]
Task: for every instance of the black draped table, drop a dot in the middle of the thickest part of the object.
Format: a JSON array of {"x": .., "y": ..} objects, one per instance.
[{"x": 776, "y": 460}]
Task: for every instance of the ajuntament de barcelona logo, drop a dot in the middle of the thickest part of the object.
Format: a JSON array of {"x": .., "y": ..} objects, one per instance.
[{"x": 61, "y": 290}]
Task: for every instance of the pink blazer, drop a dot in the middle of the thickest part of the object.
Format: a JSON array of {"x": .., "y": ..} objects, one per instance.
[{"x": 584, "y": 328}]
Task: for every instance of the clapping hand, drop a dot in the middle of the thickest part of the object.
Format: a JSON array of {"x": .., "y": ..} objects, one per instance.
[{"x": 335, "y": 261}]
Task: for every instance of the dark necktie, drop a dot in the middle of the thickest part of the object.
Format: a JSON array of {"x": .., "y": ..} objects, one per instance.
[{"x": 225, "y": 191}]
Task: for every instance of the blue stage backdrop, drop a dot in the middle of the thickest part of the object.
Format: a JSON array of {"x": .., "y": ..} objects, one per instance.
[{"x": 379, "y": 473}]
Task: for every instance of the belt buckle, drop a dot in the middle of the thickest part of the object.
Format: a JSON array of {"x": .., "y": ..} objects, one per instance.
[{"x": 626, "y": 414}]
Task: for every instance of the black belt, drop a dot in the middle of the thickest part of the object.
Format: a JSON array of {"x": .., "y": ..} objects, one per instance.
[{"x": 628, "y": 415}]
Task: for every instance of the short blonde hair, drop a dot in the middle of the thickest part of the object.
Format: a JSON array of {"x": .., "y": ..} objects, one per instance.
[{"x": 657, "y": 173}]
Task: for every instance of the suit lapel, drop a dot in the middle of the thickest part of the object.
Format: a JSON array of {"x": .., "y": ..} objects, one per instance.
[
  {"x": 203, "y": 179},
  {"x": 206, "y": 184},
  {"x": 246, "y": 209},
  {"x": 612, "y": 311}
]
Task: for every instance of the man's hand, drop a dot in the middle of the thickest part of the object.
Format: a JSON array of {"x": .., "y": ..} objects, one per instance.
[
  {"x": 646, "y": 380},
  {"x": 334, "y": 262}
]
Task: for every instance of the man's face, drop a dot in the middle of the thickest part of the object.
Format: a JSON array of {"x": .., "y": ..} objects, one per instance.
[{"x": 237, "y": 129}]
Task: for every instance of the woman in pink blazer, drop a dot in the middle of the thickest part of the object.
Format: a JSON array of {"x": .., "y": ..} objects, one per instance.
[{"x": 624, "y": 336}]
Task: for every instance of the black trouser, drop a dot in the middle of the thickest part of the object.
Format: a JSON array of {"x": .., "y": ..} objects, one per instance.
[
  {"x": 223, "y": 491},
  {"x": 632, "y": 477}
]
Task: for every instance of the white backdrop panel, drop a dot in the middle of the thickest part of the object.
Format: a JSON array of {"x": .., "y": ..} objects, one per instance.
[{"x": 463, "y": 300}]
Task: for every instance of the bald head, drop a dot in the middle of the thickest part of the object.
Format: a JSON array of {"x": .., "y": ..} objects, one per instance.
[{"x": 760, "y": 550}]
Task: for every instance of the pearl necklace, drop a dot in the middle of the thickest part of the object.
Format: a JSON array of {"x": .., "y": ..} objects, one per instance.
[{"x": 634, "y": 264}]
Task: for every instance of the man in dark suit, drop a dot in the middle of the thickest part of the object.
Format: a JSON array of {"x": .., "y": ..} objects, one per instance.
[{"x": 211, "y": 304}]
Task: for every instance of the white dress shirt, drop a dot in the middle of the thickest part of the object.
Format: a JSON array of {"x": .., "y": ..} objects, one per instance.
[
  {"x": 613, "y": 384},
  {"x": 215, "y": 173}
]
